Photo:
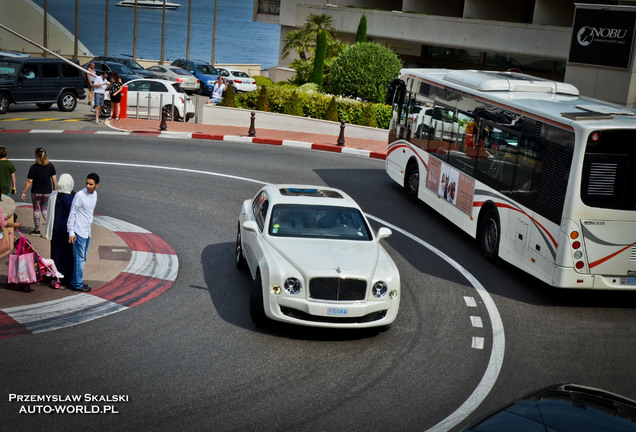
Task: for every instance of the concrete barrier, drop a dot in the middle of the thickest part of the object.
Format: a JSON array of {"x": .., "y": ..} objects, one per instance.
[{"x": 214, "y": 114}]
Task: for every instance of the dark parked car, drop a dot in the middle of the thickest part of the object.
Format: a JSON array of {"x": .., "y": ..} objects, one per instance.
[
  {"x": 205, "y": 72},
  {"x": 562, "y": 408},
  {"x": 129, "y": 62},
  {"x": 40, "y": 81},
  {"x": 110, "y": 67}
]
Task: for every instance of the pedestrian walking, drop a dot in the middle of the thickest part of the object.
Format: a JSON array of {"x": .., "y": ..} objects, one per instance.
[
  {"x": 42, "y": 180},
  {"x": 115, "y": 95},
  {"x": 78, "y": 227},
  {"x": 101, "y": 85},
  {"x": 7, "y": 173},
  {"x": 55, "y": 228}
]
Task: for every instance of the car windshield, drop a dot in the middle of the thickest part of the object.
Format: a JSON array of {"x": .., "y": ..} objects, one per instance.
[
  {"x": 180, "y": 71},
  {"x": 9, "y": 69},
  {"x": 120, "y": 69},
  {"x": 240, "y": 74},
  {"x": 132, "y": 64},
  {"x": 206, "y": 69},
  {"x": 318, "y": 221}
]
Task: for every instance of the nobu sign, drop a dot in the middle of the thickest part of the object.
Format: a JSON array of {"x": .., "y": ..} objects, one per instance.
[{"x": 603, "y": 37}]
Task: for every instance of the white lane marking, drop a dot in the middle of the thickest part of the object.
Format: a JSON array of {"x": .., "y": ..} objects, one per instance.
[
  {"x": 499, "y": 341},
  {"x": 476, "y": 322},
  {"x": 470, "y": 301},
  {"x": 192, "y": 171},
  {"x": 150, "y": 264},
  {"x": 498, "y": 338},
  {"x": 478, "y": 343}
]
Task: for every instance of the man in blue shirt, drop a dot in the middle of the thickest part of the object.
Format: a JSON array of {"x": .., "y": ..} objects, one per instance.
[{"x": 78, "y": 226}]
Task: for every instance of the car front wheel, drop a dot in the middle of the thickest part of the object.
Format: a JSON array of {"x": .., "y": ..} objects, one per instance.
[
  {"x": 241, "y": 263},
  {"x": 67, "y": 101},
  {"x": 257, "y": 310},
  {"x": 4, "y": 103}
]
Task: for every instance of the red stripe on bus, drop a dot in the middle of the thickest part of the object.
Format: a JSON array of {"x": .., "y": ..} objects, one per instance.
[{"x": 608, "y": 257}]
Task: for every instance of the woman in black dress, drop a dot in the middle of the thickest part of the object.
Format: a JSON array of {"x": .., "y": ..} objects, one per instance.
[
  {"x": 55, "y": 229},
  {"x": 115, "y": 95}
]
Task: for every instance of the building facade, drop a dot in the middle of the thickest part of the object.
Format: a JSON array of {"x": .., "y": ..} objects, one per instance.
[{"x": 533, "y": 36}]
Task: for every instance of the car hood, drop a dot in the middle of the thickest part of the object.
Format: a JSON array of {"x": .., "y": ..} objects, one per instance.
[{"x": 335, "y": 258}]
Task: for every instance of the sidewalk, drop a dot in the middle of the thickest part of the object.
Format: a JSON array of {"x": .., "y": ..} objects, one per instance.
[
  {"x": 126, "y": 266},
  {"x": 377, "y": 149}
]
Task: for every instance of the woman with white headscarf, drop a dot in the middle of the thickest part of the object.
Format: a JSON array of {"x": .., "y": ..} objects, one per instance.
[{"x": 59, "y": 207}]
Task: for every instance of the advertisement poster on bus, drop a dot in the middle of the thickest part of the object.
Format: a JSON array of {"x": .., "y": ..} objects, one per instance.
[{"x": 451, "y": 184}]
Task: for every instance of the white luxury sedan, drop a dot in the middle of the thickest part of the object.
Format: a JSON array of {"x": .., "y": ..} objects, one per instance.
[{"x": 315, "y": 260}]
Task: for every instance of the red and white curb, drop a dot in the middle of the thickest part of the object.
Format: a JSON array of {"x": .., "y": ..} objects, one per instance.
[
  {"x": 152, "y": 269},
  {"x": 235, "y": 138}
]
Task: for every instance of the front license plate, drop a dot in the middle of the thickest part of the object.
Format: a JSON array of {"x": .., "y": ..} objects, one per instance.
[
  {"x": 628, "y": 281},
  {"x": 337, "y": 311}
]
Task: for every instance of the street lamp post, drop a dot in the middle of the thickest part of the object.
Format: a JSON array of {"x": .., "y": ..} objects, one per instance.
[{"x": 213, "y": 33}]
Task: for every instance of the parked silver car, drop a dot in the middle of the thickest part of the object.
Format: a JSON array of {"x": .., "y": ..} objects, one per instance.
[{"x": 186, "y": 80}]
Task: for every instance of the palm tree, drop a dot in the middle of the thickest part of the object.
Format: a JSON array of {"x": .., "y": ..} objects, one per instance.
[
  {"x": 300, "y": 41},
  {"x": 315, "y": 23}
]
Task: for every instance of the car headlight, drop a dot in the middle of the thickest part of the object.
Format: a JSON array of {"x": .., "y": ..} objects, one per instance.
[
  {"x": 210, "y": 83},
  {"x": 292, "y": 286},
  {"x": 379, "y": 289}
]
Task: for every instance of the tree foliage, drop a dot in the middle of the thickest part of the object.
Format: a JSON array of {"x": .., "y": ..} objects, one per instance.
[
  {"x": 319, "y": 58},
  {"x": 364, "y": 70},
  {"x": 262, "y": 103},
  {"x": 229, "y": 98},
  {"x": 332, "y": 110},
  {"x": 361, "y": 34}
]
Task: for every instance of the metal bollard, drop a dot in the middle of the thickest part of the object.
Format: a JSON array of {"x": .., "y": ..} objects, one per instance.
[
  {"x": 252, "y": 131},
  {"x": 341, "y": 139},
  {"x": 162, "y": 125}
]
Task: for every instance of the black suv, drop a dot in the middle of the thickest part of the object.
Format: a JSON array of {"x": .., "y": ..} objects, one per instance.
[
  {"x": 129, "y": 62},
  {"x": 42, "y": 81}
]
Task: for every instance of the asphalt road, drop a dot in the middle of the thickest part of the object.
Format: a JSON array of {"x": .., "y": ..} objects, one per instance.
[{"x": 191, "y": 359}]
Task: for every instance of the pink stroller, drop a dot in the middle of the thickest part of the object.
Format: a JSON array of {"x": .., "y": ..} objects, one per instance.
[{"x": 27, "y": 266}]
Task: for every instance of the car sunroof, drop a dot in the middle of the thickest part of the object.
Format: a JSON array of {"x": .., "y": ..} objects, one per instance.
[{"x": 310, "y": 192}]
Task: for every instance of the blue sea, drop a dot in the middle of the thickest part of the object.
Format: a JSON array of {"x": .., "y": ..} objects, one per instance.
[{"x": 238, "y": 38}]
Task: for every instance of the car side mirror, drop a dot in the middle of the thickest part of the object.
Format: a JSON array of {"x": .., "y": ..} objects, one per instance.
[
  {"x": 384, "y": 232},
  {"x": 250, "y": 226}
]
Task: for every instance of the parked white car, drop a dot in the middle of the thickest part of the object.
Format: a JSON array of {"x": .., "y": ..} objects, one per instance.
[
  {"x": 146, "y": 98},
  {"x": 186, "y": 80},
  {"x": 315, "y": 260},
  {"x": 241, "y": 80}
]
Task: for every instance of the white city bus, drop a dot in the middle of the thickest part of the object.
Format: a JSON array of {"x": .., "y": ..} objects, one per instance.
[{"x": 543, "y": 178}]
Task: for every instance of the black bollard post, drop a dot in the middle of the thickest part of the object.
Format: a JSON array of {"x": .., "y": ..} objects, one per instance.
[
  {"x": 252, "y": 131},
  {"x": 341, "y": 139},
  {"x": 162, "y": 125}
]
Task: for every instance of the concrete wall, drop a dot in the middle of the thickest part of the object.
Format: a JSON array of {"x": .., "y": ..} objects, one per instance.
[
  {"x": 212, "y": 114},
  {"x": 27, "y": 18}
]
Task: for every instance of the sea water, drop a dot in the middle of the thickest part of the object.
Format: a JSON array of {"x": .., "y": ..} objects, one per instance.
[{"x": 237, "y": 40}]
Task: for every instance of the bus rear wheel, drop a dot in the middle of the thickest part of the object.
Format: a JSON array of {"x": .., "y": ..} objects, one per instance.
[
  {"x": 489, "y": 235},
  {"x": 412, "y": 181}
]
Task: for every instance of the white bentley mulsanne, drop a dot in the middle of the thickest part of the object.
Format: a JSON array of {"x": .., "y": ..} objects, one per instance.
[{"x": 315, "y": 260}]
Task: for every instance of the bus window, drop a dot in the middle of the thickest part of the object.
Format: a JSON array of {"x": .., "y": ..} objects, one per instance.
[{"x": 609, "y": 169}]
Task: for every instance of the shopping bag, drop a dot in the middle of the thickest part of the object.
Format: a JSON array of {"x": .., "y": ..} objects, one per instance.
[{"x": 24, "y": 269}]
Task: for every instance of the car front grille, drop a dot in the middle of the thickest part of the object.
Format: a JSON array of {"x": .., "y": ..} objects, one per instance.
[{"x": 337, "y": 289}]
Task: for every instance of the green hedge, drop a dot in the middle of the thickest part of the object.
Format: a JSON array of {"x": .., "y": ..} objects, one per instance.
[{"x": 287, "y": 99}]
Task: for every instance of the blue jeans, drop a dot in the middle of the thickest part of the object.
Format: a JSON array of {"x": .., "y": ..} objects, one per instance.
[{"x": 80, "y": 250}]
